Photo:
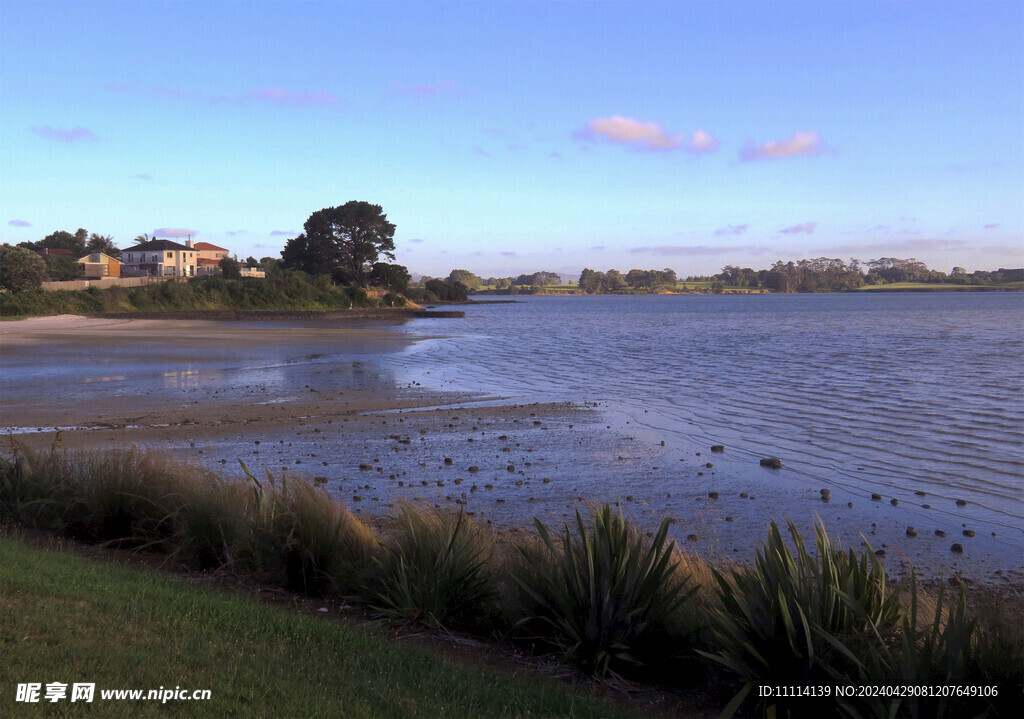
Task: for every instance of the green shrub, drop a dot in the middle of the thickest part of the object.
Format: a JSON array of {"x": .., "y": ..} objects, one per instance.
[
  {"x": 433, "y": 571},
  {"x": 605, "y": 596},
  {"x": 778, "y": 623}
]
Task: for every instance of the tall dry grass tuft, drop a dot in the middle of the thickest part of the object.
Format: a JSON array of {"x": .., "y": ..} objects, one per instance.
[
  {"x": 605, "y": 596},
  {"x": 434, "y": 571},
  {"x": 298, "y": 533}
]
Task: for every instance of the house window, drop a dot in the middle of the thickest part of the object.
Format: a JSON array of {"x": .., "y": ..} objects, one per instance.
[
  {"x": 170, "y": 255},
  {"x": 129, "y": 256},
  {"x": 156, "y": 258}
]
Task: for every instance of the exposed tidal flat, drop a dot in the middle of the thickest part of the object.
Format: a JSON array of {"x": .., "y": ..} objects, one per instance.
[{"x": 534, "y": 408}]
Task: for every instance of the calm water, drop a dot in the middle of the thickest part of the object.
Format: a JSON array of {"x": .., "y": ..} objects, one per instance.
[{"x": 871, "y": 393}]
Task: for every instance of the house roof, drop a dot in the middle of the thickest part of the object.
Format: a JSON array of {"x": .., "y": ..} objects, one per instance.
[
  {"x": 98, "y": 257},
  {"x": 208, "y": 247},
  {"x": 153, "y": 245},
  {"x": 207, "y": 261}
]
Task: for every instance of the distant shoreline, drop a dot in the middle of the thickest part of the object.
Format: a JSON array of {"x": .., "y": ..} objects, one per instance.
[{"x": 264, "y": 315}]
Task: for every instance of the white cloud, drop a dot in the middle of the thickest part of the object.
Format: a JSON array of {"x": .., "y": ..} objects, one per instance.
[
  {"x": 630, "y": 131},
  {"x": 802, "y": 143},
  {"x": 174, "y": 232},
  {"x": 702, "y": 143},
  {"x": 19, "y": 223}
]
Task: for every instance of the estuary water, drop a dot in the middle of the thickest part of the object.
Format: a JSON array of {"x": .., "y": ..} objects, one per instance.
[{"x": 916, "y": 396}]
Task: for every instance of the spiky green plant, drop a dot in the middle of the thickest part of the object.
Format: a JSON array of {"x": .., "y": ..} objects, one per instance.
[
  {"x": 433, "y": 571},
  {"x": 772, "y": 621},
  {"x": 604, "y": 592},
  {"x": 916, "y": 652}
]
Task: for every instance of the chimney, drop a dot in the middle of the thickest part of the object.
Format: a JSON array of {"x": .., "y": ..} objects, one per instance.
[{"x": 188, "y": 242}]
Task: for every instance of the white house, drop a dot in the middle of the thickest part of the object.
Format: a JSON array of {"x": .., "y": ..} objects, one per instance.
[{"x": 159, "y": 258}]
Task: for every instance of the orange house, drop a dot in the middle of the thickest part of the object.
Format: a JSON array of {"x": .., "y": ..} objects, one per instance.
[{"x": 99, "y": 265}]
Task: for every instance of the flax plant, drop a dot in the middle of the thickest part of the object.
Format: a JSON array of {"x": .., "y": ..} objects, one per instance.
[
  {"x": 774, "y": 622},
  {"x": 435, "y": 571},
  {"x": 603, "y": 594}
]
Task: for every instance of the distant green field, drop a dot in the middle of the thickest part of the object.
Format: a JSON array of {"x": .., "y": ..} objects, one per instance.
[{"x": 946, "y": 287}]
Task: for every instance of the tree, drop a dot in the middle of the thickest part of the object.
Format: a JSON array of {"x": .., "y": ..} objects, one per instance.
[
  {"x": 394, "y": 277},
  {"x": 342, "y": 242},
  {"x": 465, "y": 277},
  {"x": 230, "y": 268},
  {"x": 251, "y": 261},
  {"x": 102, "y": 243},
  {"x": 21, "y": 270}
]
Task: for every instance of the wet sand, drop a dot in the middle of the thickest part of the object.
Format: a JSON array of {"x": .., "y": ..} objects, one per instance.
[{"x": 313, "y": 399}]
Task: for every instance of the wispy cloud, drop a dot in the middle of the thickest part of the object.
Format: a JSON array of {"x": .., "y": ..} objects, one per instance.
[
  {"x": 901, "y": 247},
  {"x": 801, "y": 144},
  {"x": 19, "y": 223},
  {"x": 426, "y": 89},
  {"x": 702, "y": 143},
  {"x": 232, "y": 233},
  {"x": 416, "y": 240},
  {"x": 806, "y": 229},
  {"x": 508, "y": 254},
  {"x": 142, "y": 176},
  {"x": 174, "y": 232},
  {"x": 268, "y": 95},
  {"x": 283, "y": 233},
  {"x": 281, "y": 96},
  {"x": 732, "y": 230},
  {"x": 598, "y": 248},
  {"x": 992, "y": 225},
  {"x": 75, "y": 134},
  {"x": 630, "y": 131},
  {"x": 481, "y": 151},
  {"x": 697, "y": 250}
]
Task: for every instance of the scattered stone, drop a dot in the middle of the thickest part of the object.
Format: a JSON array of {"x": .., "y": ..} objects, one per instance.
[
  {"x": 879, "y": 552},
  {"x": 728, "y": 519},
  {"x": 875, "y": 496},
  {"x": 709, "y": 465},
  {"x": 894, "y": 501},
  {"x": 911, "y": 532},
  {"x": 718, "y": 448},
  {"x": 772, "y": 462},
  {"x": 474, "y": 468},
  {"x": 744, "y": 495},
  {"x": 511, "y": 468},
  {"x": 919, "y": 493},
  {"x": 713, "y": 495},
  {"x": 826, "y": 495},
  {"x": 365, "y": 466},
  {"x": 546, "y": 480},
  {"x": 961, "y": 503},
  {"x": 926, "y": 506},
  {"x": 940, "y": 533},
  {"x": 958, "y": 548},
  {"x": 447, "y": 460},
  {"x": 691, "y": 537},
  {"x": 850, "y": 505},
  {"x": 968, "y": 532}
]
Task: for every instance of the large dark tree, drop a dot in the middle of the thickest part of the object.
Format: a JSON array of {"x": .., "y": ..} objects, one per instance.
[
  {"x": 21, "y": 270},
  {"x": 343, "y": 242}
]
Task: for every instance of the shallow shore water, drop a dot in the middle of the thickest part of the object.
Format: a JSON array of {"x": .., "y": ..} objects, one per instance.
[{"x": 355, "y": 407}]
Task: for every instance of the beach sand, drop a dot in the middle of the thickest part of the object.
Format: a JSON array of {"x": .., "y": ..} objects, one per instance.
[{"x": 313, "y": 399}]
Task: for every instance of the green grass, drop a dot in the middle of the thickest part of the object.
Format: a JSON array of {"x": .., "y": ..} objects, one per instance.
[
  {"x": 65, "y": 618},
  {"x": 941, "y": 287}
]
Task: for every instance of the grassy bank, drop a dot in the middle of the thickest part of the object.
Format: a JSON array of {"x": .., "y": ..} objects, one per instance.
[
  {"x": 600, "y": 593},
  {"x": 68, "y": 619},
  {"x": 280, "y": 290}
]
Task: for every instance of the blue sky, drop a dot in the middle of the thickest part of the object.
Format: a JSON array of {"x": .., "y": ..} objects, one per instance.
[{"x": 513, "y": 137}]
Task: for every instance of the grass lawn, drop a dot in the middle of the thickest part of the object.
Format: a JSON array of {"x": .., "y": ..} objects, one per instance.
[{"x": 65, "y": 618}]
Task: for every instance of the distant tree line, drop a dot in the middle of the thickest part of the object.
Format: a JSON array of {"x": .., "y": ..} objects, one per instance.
[{"x": 79, "y": 243}]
